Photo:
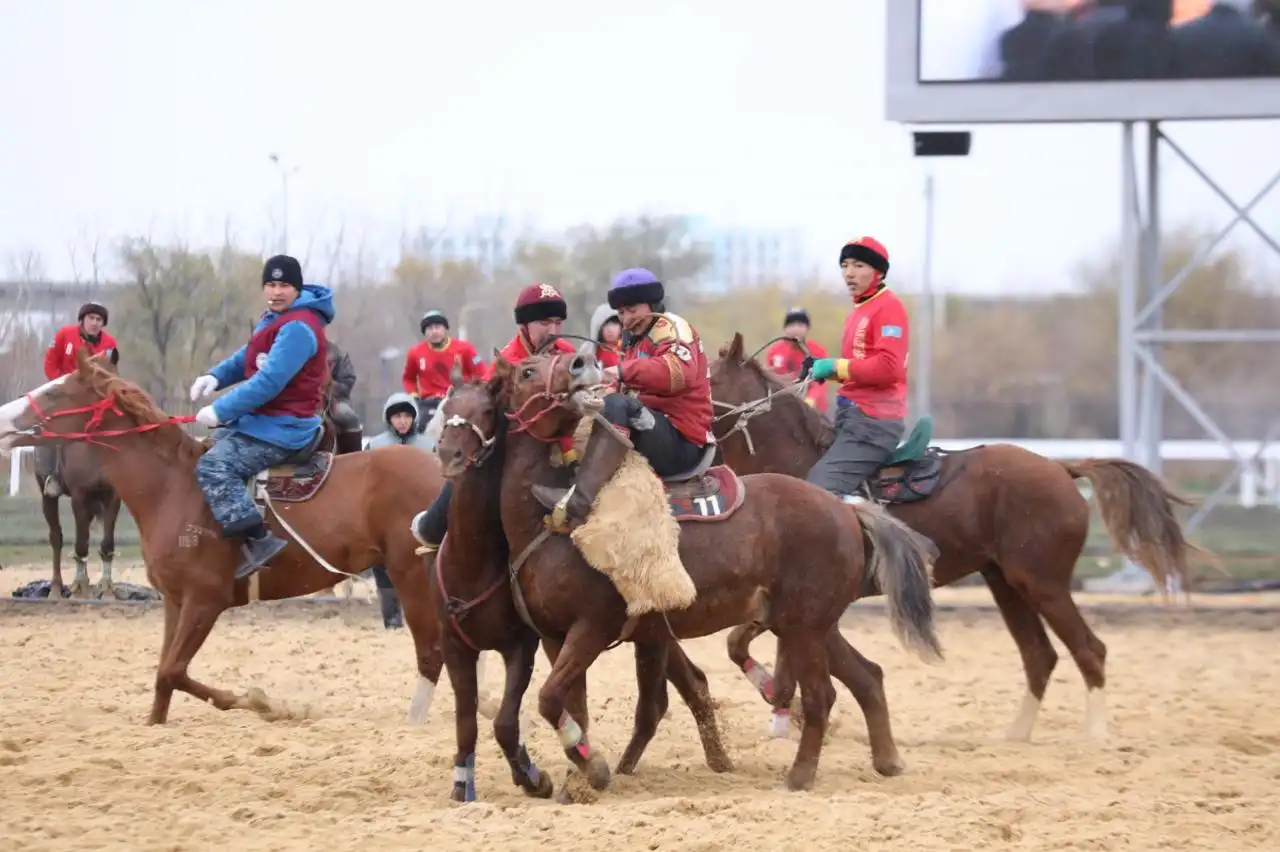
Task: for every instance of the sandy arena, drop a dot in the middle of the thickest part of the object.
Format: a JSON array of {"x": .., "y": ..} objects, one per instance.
[{"x": 1193, "y": 761}]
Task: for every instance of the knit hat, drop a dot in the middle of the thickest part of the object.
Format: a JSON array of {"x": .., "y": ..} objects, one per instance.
[
  {"x": 283, "y": 269},
  {"x": 540, "y": 301},
  {"x": 870, "y": 251},
  {"x": 431, "y": 318},
  {"x": 796, "y": 315},
  {"x": 91, "y": 308},
  {"x": 635, "y": 287}
]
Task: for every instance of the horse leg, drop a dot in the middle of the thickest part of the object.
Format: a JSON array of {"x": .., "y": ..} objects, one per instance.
[
  {"x": 462, "y": 675},
  {"x": 420, "y": 617},
  {"x": 195, "y": 622},
  {"x": 1038, "y": 656},
  {"x": 519, "y": 660},
  {"x": 576, "y": 700},
  {"x": 1056, "y": 607},
  {"x": 865, "y": 680},
  {"x": 651, "y": 682},
  {"x": 49, "y": 505},
  {"x": 582, "y": 645},
  {"x": 164, "y": 690},
  {"x": 107, "y": 548},
  {"x": 80, "y": 508},
  {"x": 807, "y": 651},
  {"x": 691, "y": 682},
  {"x": 766, "y": 683}
]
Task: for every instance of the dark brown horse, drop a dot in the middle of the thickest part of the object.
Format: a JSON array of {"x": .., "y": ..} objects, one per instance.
[
  {"x": 475, "y": 605},
  {"x": 336, "y": 512},
  {"x": 1014, "y": 516},
  {"x": 92, "y": 498},
  {"x": 788, "y": 555}
]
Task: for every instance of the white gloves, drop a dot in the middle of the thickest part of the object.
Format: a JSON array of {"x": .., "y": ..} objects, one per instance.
[
  {"x": 203, "y": 386},
  {"x": 205, "y": 416}
]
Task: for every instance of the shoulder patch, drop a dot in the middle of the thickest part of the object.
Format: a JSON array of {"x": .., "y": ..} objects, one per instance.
[
  {"x": 663, "y": 331},
  {"x": 891, "y": 331}
]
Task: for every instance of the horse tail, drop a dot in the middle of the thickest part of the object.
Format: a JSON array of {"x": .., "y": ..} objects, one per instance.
[
  {"x": 898, "y": 560},
  {"x": 1137, "y": 508}
]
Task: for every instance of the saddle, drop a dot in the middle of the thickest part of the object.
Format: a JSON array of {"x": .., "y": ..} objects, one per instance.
[
  {"x": 911, "y": 472},
  {"x": 705, "y": 493},
  {"x": 298, "y": 478}
]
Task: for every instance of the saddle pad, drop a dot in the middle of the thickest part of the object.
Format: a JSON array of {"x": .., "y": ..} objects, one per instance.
[
  {"x": 713, "y": 496},
  {"x": 297, "y": 483}
]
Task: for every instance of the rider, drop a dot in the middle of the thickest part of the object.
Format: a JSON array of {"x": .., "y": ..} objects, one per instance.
[
  {"x": 400, "y": 414},
  {"x": 341, "y": 411},
  {"x": 873, "y": 370},
  {"x": 786, "y": 358},
  {"x": 274, "y": 413},
  {"x": 59, "y": 360},
  {"x": 666, "y": 409},
  {"x": 429, "y": 364},
  {"x": 540, "y": 314},
  {"x": 606, "y": 331}
]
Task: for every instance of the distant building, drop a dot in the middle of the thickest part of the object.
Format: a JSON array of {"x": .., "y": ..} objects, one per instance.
[{"x": 749, "y": 257}]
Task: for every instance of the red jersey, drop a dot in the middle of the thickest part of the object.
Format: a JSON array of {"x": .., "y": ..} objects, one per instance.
[
  {"x": 518, "y": 349},
  {"x": 875, "y": 343},
  {"x": 607, "y": 355},
  {"x": 786, "y": 359},
  {"x": 669, "y": 372},
  {"x": 427, "y": 367},
  {"x": 60, "y": 358}
]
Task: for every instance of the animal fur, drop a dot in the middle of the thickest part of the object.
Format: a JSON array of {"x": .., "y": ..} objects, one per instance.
[{"x": 631, "y": 537}]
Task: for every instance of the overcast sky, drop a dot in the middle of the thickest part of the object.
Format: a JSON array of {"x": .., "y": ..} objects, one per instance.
[{"x": 157, "y": 116}]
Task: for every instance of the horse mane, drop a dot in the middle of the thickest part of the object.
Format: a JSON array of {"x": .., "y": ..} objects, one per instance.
[
  {"x": 137, "y": 405},
  {"x": 817, "y": 427}
]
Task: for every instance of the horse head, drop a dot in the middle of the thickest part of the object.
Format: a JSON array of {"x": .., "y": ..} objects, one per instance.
[
  {"x": 472, "y": 428},
  {"x": 735, "y": 378},
  {"x": 75, "y": 404},
  {"x": 549, "y": 394}
]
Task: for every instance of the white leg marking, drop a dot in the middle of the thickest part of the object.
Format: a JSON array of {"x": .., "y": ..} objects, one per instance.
[
  {"x": 1095, "y": 719},
  {"x": 487, "y": 706},
  {"x": 780, "y": 724},
  {"x": 1020, "y": 730},
  {"x": 421, "y": 703}
]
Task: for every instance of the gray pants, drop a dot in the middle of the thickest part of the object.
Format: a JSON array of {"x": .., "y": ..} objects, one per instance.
[
  {"x": 223, "y": 473},
  {"x": 862, "y": 444},
  {"x": 46, "y": 459}
]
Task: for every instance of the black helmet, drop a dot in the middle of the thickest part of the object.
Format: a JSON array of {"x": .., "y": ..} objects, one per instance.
[{"x": 432, "y": 318}]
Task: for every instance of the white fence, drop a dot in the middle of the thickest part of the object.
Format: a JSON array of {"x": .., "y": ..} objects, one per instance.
[{"x": 1251, "y": 492}]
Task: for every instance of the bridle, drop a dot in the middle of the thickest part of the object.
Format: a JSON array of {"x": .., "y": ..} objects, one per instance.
[
  {"x": 553, "y": 400},
  {"x": 97, "y": 411},
  {"x": 746, "y": 411}
]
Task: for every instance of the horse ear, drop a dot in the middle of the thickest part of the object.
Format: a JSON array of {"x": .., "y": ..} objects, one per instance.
[
  {"x": 734, "y": 352},
  {"x": 587, "y": 349},
  {"x": 455, "y": 376},
  {"x": 84, "y": 363}
]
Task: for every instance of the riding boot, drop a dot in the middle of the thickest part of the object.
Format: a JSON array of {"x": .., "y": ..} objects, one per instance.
[
  {"x": 259, "y": 548},
  {"x": 388, "y": 600},
  {"x": 600, "y": 461},
  {"x": 350, "y": 441},
  {"x": 53, "y": 487}
]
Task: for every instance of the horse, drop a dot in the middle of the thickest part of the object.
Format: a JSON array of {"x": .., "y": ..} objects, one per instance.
[
  {"x": 92, "y": 498},
  {"x": 765, "y": 548},
  {"x": 335, "y": 511},
  {"x": 477, "y": 610},
  {"x": 1011, "y": 515}
]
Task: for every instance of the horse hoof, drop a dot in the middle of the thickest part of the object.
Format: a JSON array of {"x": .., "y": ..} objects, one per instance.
[
  {"x": 720, "y": 763},
  {"x": 890, "y": 768},
  {"x": 800, "y": 780},
  {"x": 598, "y": 772},
  {"x": 545, "y": 788},
  {"x": 563, "y": 797},
  {"x": 458, "y": 793}
]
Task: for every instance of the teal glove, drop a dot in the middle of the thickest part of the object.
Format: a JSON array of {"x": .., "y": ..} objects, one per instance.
[{"x": 823, "y": 369}]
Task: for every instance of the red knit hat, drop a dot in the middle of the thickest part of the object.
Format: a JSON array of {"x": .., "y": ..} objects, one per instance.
[
  {"x": 870, "y": 251},
  {"x": 540, "y": 301}
]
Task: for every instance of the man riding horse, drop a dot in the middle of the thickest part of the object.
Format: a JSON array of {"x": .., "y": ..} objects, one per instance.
[
  {"x": 540, "y": 313},
  {"x": 786, "y": 356},
  {"x": 665, "y": 407},
  {"x": 872, "y": 368},
  {"x": 272, "y": 414},
  {"x": 60, "y": 360},
  {"x": 350, "y": 435},
  {"x": 430, "y": 362}
]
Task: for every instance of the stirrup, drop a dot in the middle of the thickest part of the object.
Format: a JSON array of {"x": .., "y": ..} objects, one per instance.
[{"x": 558, "y": 520}]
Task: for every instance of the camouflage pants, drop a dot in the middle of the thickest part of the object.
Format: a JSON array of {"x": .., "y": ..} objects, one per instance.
[{"x": 223, "y": 473}]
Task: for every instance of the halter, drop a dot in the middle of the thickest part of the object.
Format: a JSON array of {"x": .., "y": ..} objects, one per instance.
[
  {"x": 554, "y": 401},
  {"x": 482, "y": 453},
  {"x": 98, "y": 411}
]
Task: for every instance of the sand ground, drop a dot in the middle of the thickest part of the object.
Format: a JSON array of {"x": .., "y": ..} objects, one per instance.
[{"x": 1193, "y": 761}]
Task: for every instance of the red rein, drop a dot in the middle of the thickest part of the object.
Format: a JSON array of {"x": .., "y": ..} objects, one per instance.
[
  {"x": 97, "y": 411},
  {"x": 555, "y": 400}
]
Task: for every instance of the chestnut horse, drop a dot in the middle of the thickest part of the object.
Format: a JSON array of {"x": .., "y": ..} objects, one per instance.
[
  {"x": 475, "y": 605},
  {"x": 351, "y": 520},
  {"x": 789, "y": 555},
  {"x": 1014, "y": 516}
]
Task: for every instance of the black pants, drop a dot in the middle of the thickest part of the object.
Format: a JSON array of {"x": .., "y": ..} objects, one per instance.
[
  {"x": 426, "y": 410},
  {"x": 862, "y": 444},
  {"x": 654, "y": 437},
  {"x": 436, "y": 524}
]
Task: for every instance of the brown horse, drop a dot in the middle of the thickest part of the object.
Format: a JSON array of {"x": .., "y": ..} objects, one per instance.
[
  {"x": 92, "y": 498},
  {"x": 337, "y": 513},
  {"x": 786, "y": 554},
  {"x": 1014, "y": 516},
  {"x": 472, "y": 588}
]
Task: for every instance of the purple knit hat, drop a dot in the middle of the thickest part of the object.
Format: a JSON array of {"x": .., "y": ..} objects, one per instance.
[{"x": 635, "y": 287}]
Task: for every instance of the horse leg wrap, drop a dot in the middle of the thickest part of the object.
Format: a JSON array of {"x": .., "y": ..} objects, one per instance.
[
  {"x": 464, "y": 778},
  {"x": 760, "y": 678},
  {"x": 526, "y": 766},
  {"x": 780, "y": 723},
  {"x": 571, "y": 736}
]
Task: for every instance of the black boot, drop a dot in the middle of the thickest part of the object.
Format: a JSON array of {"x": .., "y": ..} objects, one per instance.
[
  {"x": 600, "y": 461},
  {"x": 388, "y": 600},
  {"x": 259, "y": 548}
]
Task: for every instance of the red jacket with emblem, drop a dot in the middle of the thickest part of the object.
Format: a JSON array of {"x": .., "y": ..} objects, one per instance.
[
  {"x": 427, "y": 367},
  {"x": 669, "y": 371},
  {"x": 518, "y": 349},
  {"x": 875, "y": 343},
  {"x": 60, "y": 358},
  {"x": 303, "y": 396},
  {"x": 786, "y": 359}
]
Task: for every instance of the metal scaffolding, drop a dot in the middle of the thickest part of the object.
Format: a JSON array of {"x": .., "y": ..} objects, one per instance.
[{"x": 1143, "y": 381}]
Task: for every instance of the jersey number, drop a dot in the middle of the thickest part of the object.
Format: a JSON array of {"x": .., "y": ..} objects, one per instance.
[{"x": 707, "y": 506}]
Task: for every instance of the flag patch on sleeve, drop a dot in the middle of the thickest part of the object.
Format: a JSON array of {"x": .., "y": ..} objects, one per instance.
[{"x": 891, "y": 331}]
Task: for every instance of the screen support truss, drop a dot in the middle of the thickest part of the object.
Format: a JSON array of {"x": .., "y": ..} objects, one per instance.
[{"x": 1143, "y": 380}]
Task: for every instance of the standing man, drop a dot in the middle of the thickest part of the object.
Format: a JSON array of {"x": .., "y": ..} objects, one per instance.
[
  {"x": 786, "y": 358},
  {"x": 872, "y": 368},
  {"x": 90, "y": 334},
  {"x": 274, "y": 410},
  {"x": 429, "y": 363}
]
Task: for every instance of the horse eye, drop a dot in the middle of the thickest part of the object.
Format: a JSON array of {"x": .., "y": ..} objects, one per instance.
[{"x": 527, "y": 373}]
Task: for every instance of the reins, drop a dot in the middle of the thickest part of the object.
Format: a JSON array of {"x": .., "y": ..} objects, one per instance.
[{"x": 91, "y": 433}]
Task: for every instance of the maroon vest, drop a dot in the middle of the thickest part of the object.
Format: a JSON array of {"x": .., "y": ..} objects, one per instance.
[{"x": 303, "y": 396}]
